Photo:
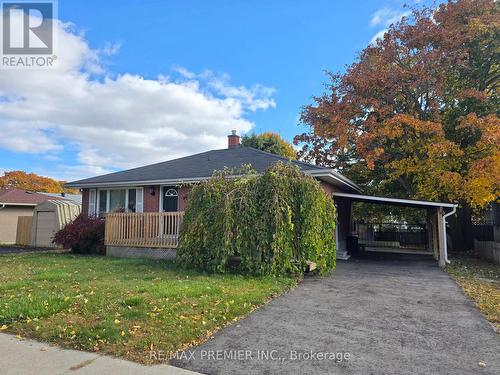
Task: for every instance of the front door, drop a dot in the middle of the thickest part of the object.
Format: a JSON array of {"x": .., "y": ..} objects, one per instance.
[{"x": 170, "y": 198}]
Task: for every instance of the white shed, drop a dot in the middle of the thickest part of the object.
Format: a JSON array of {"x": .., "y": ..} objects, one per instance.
[{"x": 49, "y": 217}]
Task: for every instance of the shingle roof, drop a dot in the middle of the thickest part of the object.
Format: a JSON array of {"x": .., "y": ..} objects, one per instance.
[
  {"x": 196, "y": 166},
  {"x": 21, "y": 197},
  {"x": 76, "y": 198}
]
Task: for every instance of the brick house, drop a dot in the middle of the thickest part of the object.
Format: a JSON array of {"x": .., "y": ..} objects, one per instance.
[{"x": 164, "y": 187}]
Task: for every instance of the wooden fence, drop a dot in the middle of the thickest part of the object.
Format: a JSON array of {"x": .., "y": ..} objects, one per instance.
[
  {"x": 23, "y": 232},
  {"x": 145, "y": 229}
]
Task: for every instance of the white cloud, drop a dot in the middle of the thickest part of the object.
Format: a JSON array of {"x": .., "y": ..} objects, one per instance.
[
  {"x": 385, "y": 17},
  {"x": 118, "y": 122},
  {"x": 254, "y": 98},
  {"x": 110, "y": 49}
]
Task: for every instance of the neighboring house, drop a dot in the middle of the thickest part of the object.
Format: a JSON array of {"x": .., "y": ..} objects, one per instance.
[
  {"x": 13, "y": 204},
  {"x": 164, "y": 187}
]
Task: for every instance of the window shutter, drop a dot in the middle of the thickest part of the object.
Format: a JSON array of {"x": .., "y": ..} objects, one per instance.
[
  {"x": 92, "y": 201},
  {"x": 139, "y": 194}
]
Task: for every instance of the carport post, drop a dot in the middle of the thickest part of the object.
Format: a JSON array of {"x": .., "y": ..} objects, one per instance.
[
  {"x": 432, "y": 241},
  {"x": 441, "y": 237}
]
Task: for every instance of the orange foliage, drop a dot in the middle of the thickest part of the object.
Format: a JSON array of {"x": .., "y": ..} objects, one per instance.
[
  {"x": 417, "y": 113},
  {"x": 32, "y": 182}
]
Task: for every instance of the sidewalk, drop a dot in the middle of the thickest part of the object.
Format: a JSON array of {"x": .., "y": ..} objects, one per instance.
[{"x": 26, "y": 357}]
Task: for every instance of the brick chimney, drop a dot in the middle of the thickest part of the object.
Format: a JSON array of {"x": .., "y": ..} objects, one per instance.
[{"x": 233, "y": 140}]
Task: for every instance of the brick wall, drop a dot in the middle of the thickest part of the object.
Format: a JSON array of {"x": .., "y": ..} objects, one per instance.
[
  {"x": 85, "y": 202},
  {"x": 183, "y": 197}
]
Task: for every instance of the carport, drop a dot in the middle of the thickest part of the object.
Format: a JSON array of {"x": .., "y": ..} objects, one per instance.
[{"x": 435, "y": 232}]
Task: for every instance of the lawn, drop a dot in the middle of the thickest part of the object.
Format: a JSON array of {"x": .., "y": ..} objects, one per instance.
[
  {"x": 122, "y": 307},
  {"x": 481, "y": 282}
]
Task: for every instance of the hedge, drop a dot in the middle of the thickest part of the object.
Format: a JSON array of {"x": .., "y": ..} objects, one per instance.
[{"x": 274, "y": 223}]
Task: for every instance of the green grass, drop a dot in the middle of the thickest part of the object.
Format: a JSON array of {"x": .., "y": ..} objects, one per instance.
[
  {"x": 122, "y": 307},
  {"x": 481, "y": 282}
]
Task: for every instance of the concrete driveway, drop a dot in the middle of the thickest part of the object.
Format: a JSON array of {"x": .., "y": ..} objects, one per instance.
[{"x": 391, "y": 316}]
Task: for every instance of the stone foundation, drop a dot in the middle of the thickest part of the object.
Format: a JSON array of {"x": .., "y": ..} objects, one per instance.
[{"x": 139, "y": 252}]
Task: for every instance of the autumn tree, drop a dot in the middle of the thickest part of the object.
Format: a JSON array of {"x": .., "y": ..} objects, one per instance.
[
  {"x": 417, "y": 114},
  {"x": 32, "y": 182},
  {"x": 270, "y": 142}
]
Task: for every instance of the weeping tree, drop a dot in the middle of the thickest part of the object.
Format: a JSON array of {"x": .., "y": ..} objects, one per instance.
[
  {"x": 416, "y": 115},
  {"x": 274, "y": 223}
]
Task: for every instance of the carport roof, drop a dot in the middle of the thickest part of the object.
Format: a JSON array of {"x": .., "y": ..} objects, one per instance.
[{"x": 393, "y": 201}]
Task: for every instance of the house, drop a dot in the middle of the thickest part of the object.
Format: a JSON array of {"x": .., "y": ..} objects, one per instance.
[
  {"x": 164, "y": 188},
  {"x": 15, "y": 203}
]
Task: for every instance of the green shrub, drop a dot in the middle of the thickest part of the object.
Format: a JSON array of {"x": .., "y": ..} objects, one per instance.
[{"x": 274, "y": 223}]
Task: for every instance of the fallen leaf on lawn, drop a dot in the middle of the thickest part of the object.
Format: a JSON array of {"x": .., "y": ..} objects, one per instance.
[
  {"x": 117, "y": 321},
  {"x": 482, "y": 364},
  {"x": 3, "y": 328}
]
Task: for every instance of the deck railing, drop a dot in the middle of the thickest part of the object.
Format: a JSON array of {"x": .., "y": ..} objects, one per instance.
[{"x": 145, "y": 229}]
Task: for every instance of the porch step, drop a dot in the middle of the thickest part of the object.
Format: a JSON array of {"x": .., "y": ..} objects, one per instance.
[{"x": 342, "y": 255}]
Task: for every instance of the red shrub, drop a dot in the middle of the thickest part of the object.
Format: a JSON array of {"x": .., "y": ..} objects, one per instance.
[{"x": 84, "y": 235}]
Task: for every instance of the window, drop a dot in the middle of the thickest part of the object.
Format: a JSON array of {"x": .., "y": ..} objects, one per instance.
[
  {"x": 92, "y": 199},
  {"x": 120, "y": 200},
  {"x": 131, "y": 200},
  {"x": 117, "y": 200},
  {"x": 170, "y": 198},
  {"x": 103, "y": 201}
]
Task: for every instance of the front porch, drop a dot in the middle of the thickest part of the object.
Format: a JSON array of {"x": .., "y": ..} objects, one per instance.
[{"x": 157, "y": 230}]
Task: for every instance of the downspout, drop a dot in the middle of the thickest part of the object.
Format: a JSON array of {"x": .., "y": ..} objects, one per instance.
[
  {"x": 3, "y": 206},
  {"x": 445, "y": 240}
]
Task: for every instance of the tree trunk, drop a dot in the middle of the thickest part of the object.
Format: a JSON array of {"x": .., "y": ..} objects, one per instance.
[{"x": 461, "y": 229}]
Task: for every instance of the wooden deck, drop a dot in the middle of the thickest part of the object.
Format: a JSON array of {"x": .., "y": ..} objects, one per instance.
[{"x": 145, "y": 229}]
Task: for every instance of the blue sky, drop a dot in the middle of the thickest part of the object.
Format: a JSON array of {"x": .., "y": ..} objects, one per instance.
[{"x": 216, "y": 65}]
